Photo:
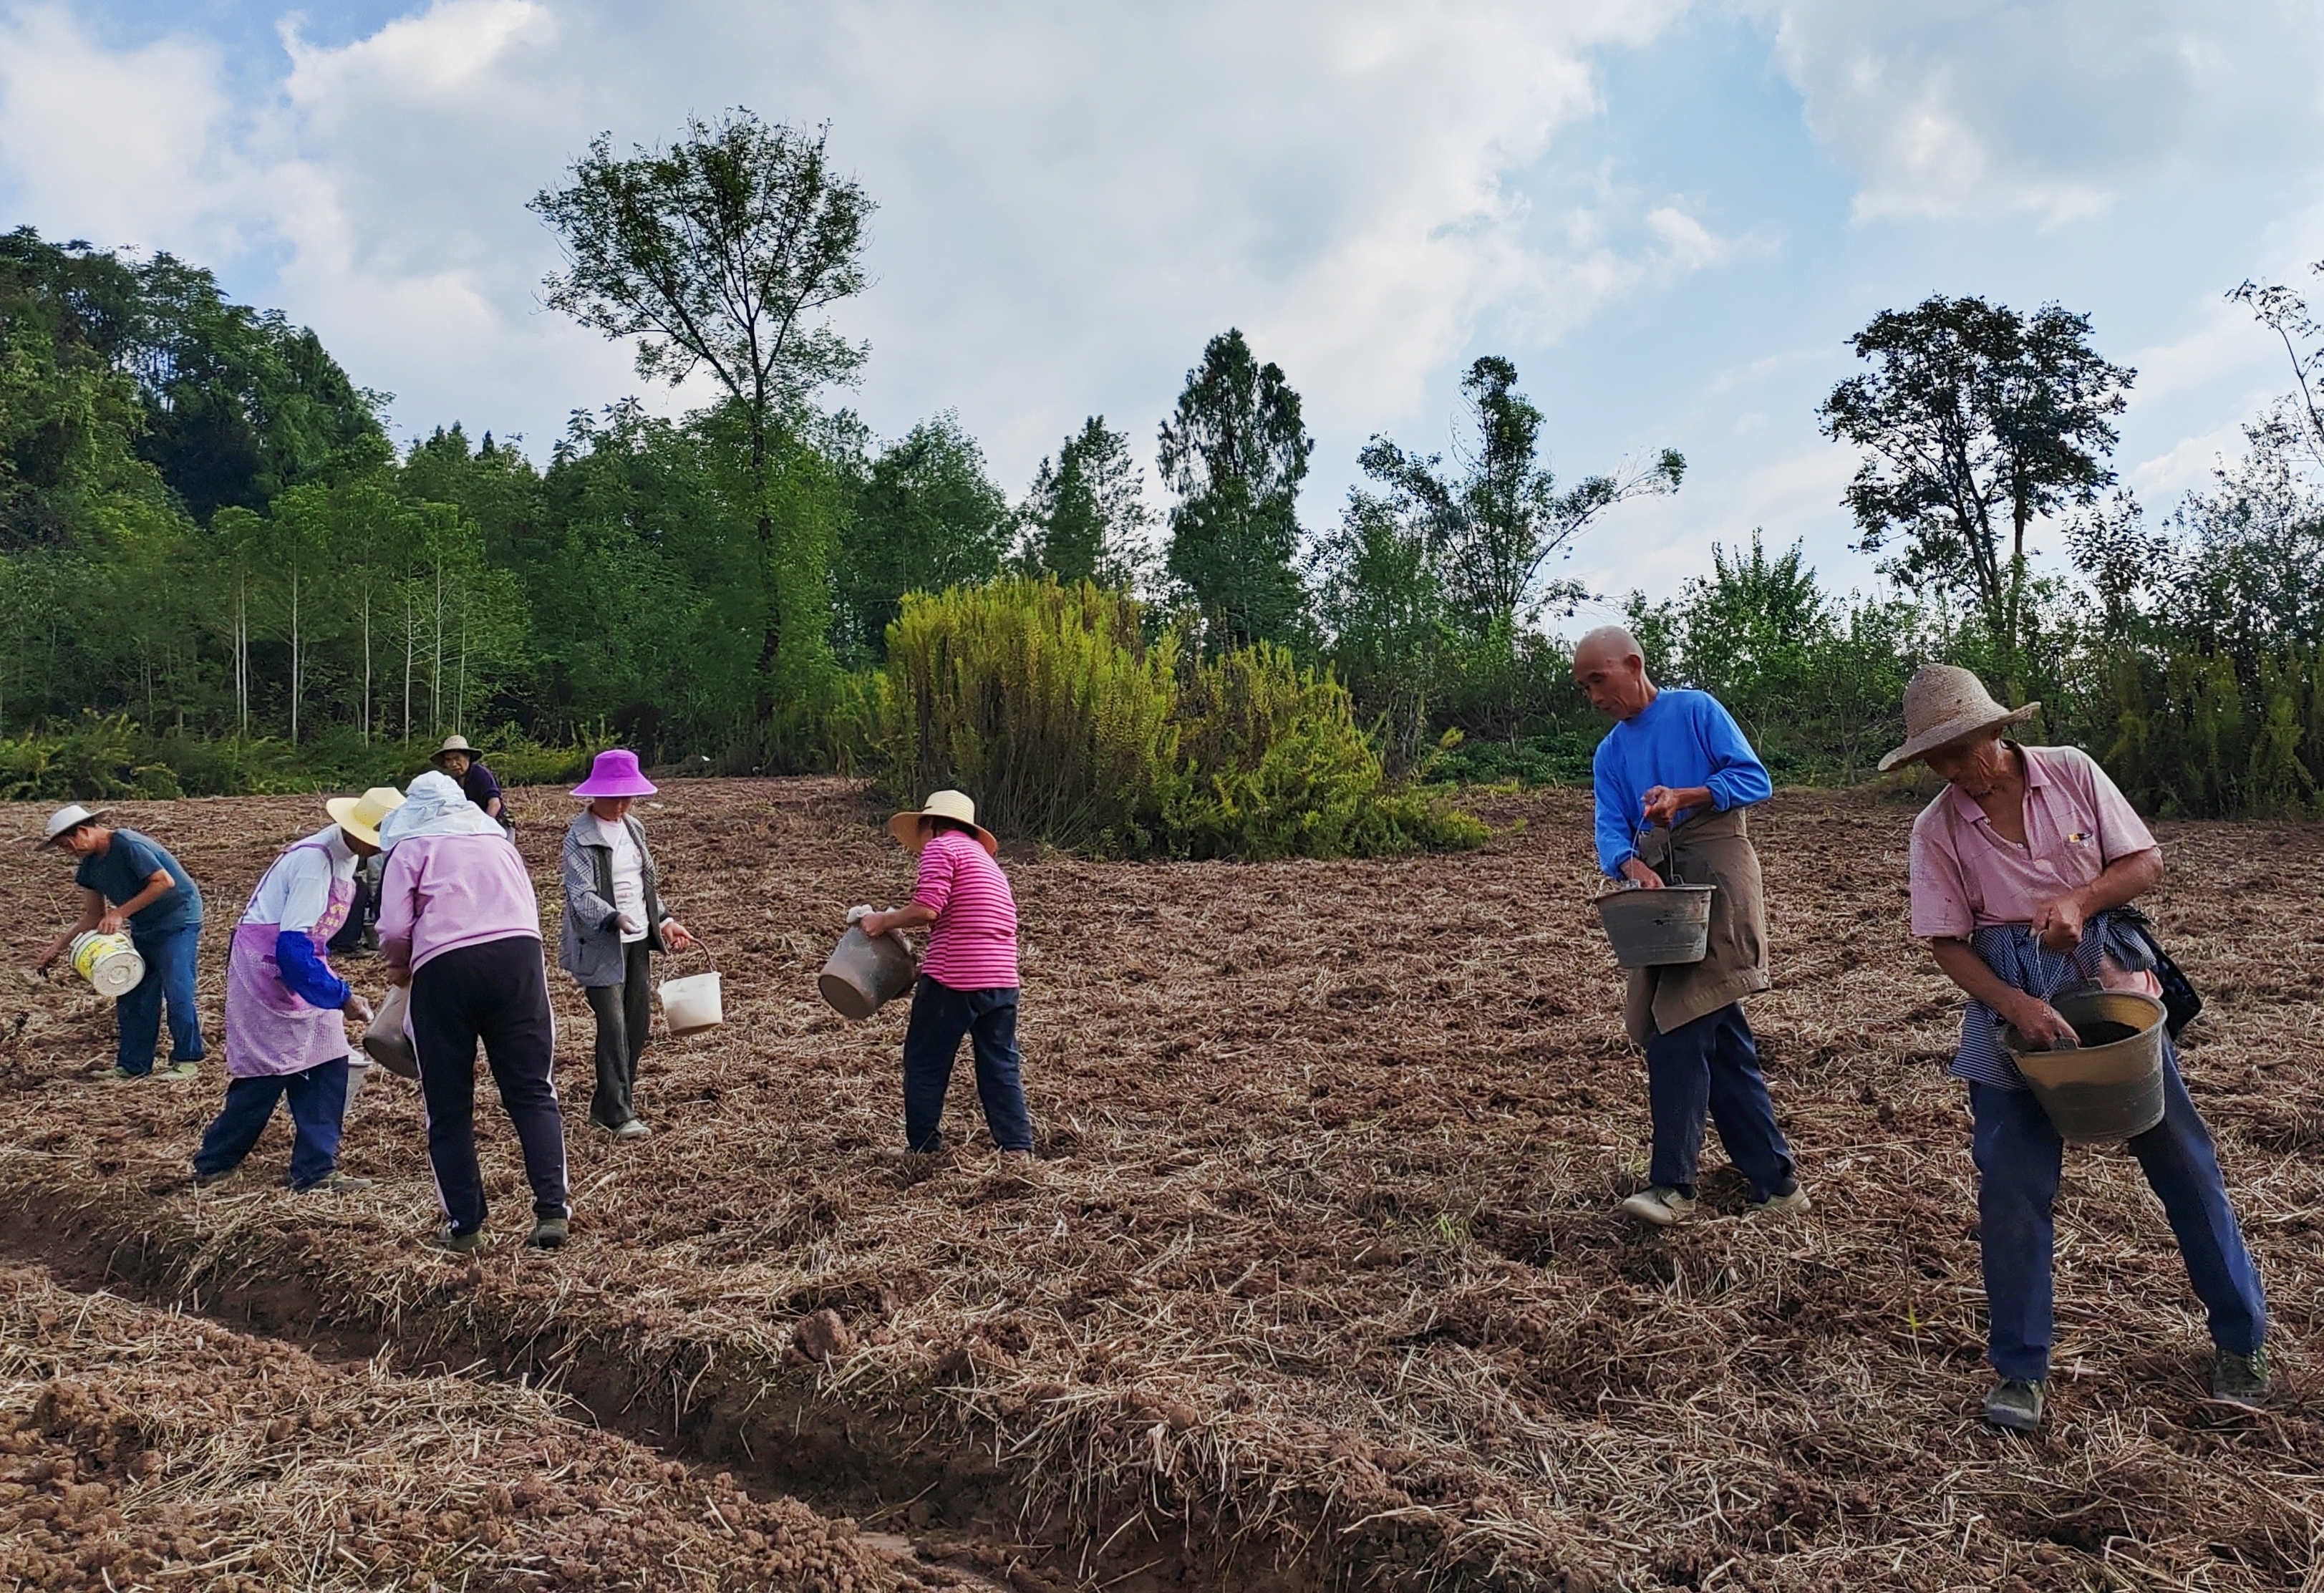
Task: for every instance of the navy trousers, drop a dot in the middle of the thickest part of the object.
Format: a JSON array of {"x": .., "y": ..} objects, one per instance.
[
  {"x": 497, "y": 992},
  {"x": 2018, "y": 1157},
  {"x": 168, "y": 975},
  {"x": 1710, "y": 1067},
  {"x": 319, "y": 1109},
  {"x": 940, "y": 1016}
]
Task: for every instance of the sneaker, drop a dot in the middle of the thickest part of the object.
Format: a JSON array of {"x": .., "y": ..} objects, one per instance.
[
  {"x": 1796, "y": 1201},
  {"x": 2015, "y": 1404},
  {"x": 178, "y": 1071},
  {"x": 1661, "y": 1205},
  {"x": 456, "y": 1243},
  {"x": 2240, "y": 1379},
  {"x": 121, "y": 1075},
  {"x": 635, "y": 1128},
  {"x": 547, "y": 1233},
  {"x": 334, "y": 1183},
  {"x": 212, "y": 1180}
]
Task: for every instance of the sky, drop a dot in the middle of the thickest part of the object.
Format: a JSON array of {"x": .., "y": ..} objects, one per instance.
[{"x": 1670, "y": 215}]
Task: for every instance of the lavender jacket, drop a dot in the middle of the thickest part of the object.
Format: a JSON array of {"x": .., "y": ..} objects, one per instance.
[{"x": 442, "y": 892}]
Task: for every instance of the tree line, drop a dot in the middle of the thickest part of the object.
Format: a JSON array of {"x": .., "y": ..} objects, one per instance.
[{"x": 208, "y": 546}]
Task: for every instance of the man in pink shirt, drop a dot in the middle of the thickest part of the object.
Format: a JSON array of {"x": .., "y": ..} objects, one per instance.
[
  {"x": 968, "y": 980},
  {"x": 2022, "y": 870}
]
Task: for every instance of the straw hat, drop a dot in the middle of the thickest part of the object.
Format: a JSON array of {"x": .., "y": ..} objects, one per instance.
[
  {"x": 71, "y": 817},
  {"x": 359, "y": 816},
  {"x": 1942, "y": 703},
  {"x": 942, "y": 805},
  {"x": 452, "y": 744}
]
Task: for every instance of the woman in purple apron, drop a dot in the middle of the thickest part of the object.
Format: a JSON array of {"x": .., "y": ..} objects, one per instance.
[{"x": 285, "y": 1010}]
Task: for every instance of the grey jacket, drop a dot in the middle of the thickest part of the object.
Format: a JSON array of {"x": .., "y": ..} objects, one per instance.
[{"x": 590, "y": 948}]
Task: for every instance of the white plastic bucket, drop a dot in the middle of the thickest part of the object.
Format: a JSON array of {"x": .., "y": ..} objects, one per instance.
[
  {"x": 691, "y": 1003},
  {"x": 108, "y": 962}
]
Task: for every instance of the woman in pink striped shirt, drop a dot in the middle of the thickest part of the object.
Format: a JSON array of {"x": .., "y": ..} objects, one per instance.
[{"x": 968, "y": 980}]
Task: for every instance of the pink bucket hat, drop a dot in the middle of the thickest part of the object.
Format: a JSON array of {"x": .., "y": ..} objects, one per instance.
[{"x": 614, "y": 773}]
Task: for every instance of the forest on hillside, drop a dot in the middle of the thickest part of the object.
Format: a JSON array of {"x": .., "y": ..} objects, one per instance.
[{"x": 217, "y": 573}]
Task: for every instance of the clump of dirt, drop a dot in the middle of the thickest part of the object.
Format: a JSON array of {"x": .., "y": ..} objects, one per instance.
[
  {"x": 139, "y": 1449},
  {"x": 1317, "y": 1279}
]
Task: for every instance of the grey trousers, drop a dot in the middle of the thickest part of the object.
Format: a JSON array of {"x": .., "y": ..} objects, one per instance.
[{"x": 624, "y": 1022}]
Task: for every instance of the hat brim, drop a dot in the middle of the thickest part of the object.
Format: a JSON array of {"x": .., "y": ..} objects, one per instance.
[
  {"x": 342, "y": 810},
  {"x": 1955, "y": 730},
  {"x": 589, "y": 790},
  {"x": 906, "y": 828},
  {"x": 48, "y": 842}
]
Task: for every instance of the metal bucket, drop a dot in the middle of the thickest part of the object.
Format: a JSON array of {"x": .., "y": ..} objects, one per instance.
[
  {"x": 2105, "y": 1093},
  {"x": 1657, "y": 929},
  {"x": 110, "y": 963},
  {"x": 864, "y": 974}
]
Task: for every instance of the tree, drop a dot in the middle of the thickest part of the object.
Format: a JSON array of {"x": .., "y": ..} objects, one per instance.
[
  {"x": 723, "y": 251},
  {"x": 1975, "y": 417},
  {"x": 1235, "y": 453},
  {"x": 1491, "y": 530},
  {"x": 927, "y": 518},
  {"x": 1382, "y": 603},
  {"x": 2286, "y": 313},
  {"x": 1086, "y": 517}
]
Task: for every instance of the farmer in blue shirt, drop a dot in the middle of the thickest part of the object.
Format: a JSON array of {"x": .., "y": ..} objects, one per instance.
[
  {"x": 130, "y": 880},
  {"x": 1673, "y": 780}
]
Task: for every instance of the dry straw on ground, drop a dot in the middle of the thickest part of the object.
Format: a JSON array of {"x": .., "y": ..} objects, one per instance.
[{"x": 1316, "y": 1280}]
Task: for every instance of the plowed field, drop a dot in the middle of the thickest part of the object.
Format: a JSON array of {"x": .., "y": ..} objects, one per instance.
[{"x": 1315, "y": 1281}]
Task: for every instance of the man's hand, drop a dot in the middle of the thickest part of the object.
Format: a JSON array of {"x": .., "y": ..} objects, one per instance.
[
  {"x": 2039, "y": 1023},
  {"x": 676, "y": 935},
  {"x": 1666, "y": 803},
  {"x": 1637, "y": 873},
  {"x": 48, "y": 958},
  {"x": 2059, "y": 924},
  {"x": 356, "y": 1008},
  {"x": 111, "y": 922}
]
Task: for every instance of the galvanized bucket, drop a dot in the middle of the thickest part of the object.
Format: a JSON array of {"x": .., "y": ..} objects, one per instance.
[
  {"x": 2103, "y": 1094},
  {"x": 864, "y": 974},
  {"x": 1658, "y": 929}
]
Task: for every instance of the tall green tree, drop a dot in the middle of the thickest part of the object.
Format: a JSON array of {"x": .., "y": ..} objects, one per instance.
[
  {"x": 1235, "y": 452},
  {"x": 1975, "y": 422},
  {"x": 1086, "y": 517},
  {"x": 724, "y": 251},
  {"x": 1492, "y": 530},
  {"x": 927, "y": 517}
]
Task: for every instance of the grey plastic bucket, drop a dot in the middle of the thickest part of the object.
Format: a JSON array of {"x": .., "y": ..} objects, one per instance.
[
  {"x": 1657, "y": 929},
  {"x": 2106, "y": 1093},
  {"x": 864, "y": 974}
]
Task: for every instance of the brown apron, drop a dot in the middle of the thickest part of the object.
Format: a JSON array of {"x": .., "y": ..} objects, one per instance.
[{"x": 1710, "y": 849}]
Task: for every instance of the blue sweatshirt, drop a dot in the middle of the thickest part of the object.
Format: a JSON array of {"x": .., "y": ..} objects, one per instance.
[{"x": 1682, "y": 738}]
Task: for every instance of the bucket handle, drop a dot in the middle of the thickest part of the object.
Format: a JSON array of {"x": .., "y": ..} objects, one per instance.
[{"x": 701, "y": 946}]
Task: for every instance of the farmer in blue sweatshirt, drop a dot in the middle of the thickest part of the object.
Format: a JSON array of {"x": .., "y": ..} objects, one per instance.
[
  {"x": 286, "y": 1011},
  {"x": 1673, "y": 780}
]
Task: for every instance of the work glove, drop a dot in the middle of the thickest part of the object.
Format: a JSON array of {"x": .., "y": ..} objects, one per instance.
[{"x": 863, "y": 911}]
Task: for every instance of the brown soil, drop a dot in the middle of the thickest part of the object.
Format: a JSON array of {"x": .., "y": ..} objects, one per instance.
[{"x": 1317, "y": 1280}]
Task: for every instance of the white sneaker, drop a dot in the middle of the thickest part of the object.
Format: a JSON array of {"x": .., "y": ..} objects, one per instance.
[
  {"x": 1660, "y": 1205},
  {"x": 1797, "y": 1200}
]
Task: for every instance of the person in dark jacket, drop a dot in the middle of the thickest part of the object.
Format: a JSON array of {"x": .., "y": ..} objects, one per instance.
[
  {"x": 614, "y": 923},
  {"x": 463, "y": 763}
]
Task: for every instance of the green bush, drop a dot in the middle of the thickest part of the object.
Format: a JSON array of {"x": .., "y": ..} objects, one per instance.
[{"x": 1051, "y": 707}]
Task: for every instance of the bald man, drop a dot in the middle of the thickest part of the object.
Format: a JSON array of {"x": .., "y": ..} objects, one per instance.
[{"x": 1674, "y": 777}]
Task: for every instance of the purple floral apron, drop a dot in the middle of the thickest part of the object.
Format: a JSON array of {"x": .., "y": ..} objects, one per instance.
[{"x": 268, "y": 1030}]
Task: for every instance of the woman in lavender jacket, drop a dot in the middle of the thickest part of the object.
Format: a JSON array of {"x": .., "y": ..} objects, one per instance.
[{"x": 459, "y": 925}]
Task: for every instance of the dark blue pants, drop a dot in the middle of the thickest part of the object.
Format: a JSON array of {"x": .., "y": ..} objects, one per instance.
[
  {"x": 1710, "y": 1067},
  {"x": 940, "y": 1016},
  {"x": 318, "y": 1107},
  {"x": 2018, "y": 1155},
  {"x": 168, "y": 975}
]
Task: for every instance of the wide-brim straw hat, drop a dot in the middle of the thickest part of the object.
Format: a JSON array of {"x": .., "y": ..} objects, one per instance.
[
  {"x": 1944, "y": 703},
  {"x": 71, "y": 817},
  {"x": 614, "y": 772},
  {"x": 942, "y": 805},
  {"x": 452, "y": 744},
  {"x": 359, "y": 816}
]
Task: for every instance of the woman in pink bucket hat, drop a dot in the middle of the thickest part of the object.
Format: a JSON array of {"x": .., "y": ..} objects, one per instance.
[{"x": 613, "y": 922}]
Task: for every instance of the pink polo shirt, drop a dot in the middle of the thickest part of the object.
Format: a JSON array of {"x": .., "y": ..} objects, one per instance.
[
  {"x": 1966, "y": 876},
  {"x": 973, "y": 944}
]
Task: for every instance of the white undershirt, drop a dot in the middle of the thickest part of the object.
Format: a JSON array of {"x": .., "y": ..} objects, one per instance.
[{"x": 629, "y": 878}]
